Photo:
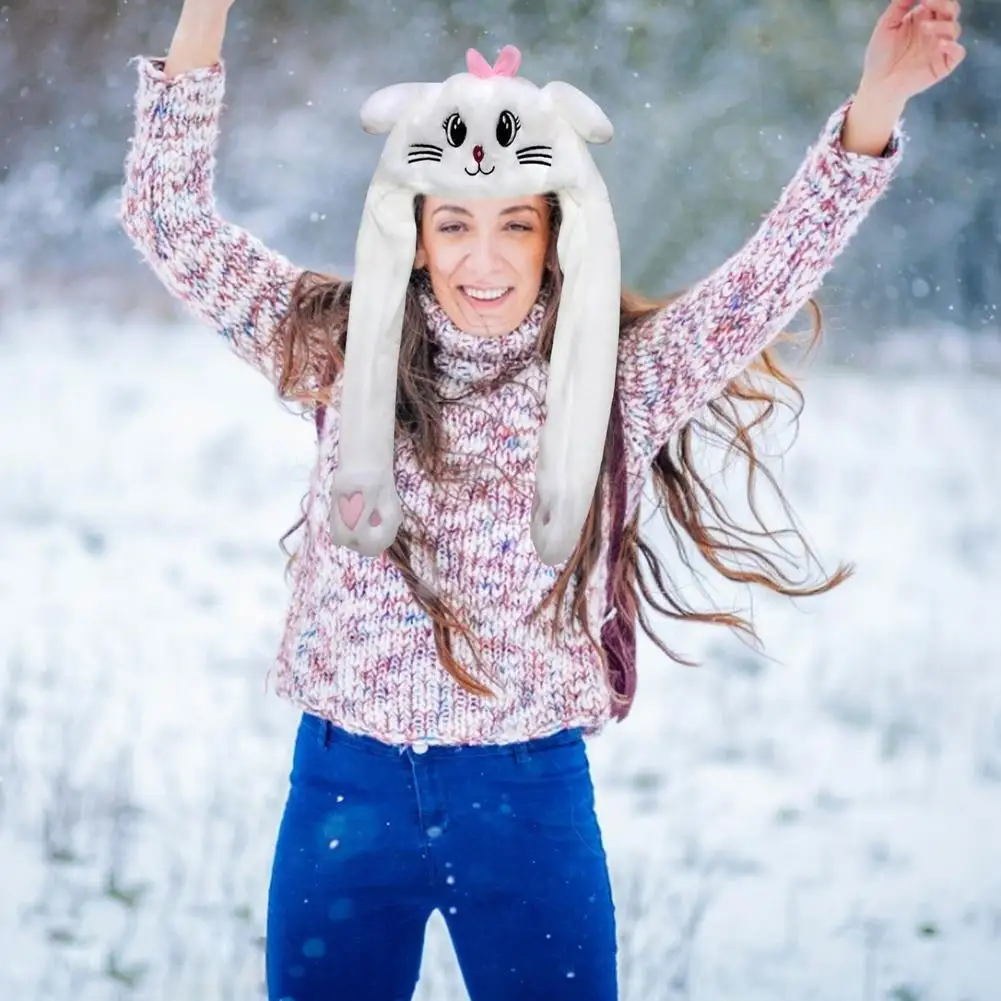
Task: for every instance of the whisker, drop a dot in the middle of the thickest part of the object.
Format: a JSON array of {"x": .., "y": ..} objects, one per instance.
[
  {"x": 425, "y": 146},
  {"x": 424, "y": 159},
  {"x": 528, "y": 161},
  {"x": 529, "y": 149}
]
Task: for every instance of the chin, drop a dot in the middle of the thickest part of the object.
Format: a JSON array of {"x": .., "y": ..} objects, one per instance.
[
  {"x": 486, "y": 322},
  {"x": 503, "y": 324}
]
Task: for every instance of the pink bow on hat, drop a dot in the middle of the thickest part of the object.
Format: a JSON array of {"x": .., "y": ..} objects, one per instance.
[{"x": 507, "y": 63}]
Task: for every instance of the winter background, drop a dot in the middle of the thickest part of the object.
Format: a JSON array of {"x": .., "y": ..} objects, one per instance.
[{"x": 821, "y": 821}]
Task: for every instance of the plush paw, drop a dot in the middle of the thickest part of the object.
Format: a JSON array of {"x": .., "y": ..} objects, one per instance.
[
  {"x": 555, "y": 527},
  {"x": 365, "y": 512}
]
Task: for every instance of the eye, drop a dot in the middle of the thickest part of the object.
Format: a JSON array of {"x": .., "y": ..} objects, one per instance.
[
  {"x": 455, "y": 129},
  {"x": 507, "y": 127}
]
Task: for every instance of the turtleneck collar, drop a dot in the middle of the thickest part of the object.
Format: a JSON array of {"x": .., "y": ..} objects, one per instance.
[{"x": 474, "y": 358}]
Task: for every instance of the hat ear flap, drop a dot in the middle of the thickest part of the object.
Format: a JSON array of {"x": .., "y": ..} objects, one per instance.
[
  {"x": 365, "y": 511},
  {"x": 582, "y": 371},
  {"x": 578, "y": 111},
  {"x": 387, "y": 106}
]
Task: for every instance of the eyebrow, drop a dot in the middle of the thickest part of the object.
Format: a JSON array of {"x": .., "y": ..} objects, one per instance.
[{"x": 459, "y": 210}]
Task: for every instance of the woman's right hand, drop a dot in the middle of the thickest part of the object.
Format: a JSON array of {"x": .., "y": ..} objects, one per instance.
[
  {"x": 209, "y": 7},
  {"x": 198, "y": 38}
]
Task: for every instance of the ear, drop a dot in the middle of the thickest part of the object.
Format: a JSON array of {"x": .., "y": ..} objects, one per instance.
[
  {"x": 582, "y": 371},
  {"x": 365, "y": 510},
  {"x": 579, "y": 111},
  {"x": 387, "y": 106}
]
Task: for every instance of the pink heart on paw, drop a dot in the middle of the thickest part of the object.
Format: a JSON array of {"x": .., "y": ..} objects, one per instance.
[
  {"x": 375, "y": 519},
  {"x": 351, "y": 508}
]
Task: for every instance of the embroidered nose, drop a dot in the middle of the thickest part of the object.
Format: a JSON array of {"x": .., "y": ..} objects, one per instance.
[{"x": 477, "y": 153}]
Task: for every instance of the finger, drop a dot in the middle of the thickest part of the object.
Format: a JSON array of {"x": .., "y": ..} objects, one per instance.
[
  {"x": 897, "y": 12},
  {"x": 942, "y": 10},
  {"x": 919, "y": 14},
  {"x": 948, "y": 30},
  {"x": 952, "y": 55},
  {"x": 947, "y": 59}
]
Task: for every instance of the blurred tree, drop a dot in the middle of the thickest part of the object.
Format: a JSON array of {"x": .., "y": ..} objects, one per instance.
[{"x": 714, "y": 103}]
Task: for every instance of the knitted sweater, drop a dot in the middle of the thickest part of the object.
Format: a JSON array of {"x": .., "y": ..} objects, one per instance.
[{"x": 356, "y": 648}]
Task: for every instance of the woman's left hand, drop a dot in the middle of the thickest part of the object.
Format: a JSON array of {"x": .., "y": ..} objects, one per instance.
[{"x": 914, "y": 46}]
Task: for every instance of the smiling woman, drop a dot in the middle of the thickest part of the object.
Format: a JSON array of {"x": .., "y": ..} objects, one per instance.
[
  {"x": 484, "y": 258},
  {"x": 447, "y": 665}
]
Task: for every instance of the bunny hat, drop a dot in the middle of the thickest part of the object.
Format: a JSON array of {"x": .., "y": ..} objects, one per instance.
[{"x": 485, "y": 133}]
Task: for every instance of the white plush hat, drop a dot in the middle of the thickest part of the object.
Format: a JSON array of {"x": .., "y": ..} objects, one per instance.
[{"x": 486, "y": 133}]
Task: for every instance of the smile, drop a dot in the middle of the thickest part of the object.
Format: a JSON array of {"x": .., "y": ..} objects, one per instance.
[
  {"x": 479, "y": 170},
  {"x": 486, "y": 296}
]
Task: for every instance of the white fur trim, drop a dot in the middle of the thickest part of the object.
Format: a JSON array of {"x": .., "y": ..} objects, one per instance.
[{"x": 548, "y": 154}]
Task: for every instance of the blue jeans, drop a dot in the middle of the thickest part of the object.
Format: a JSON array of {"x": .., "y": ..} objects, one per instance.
[{"x": 502, "y": 840}]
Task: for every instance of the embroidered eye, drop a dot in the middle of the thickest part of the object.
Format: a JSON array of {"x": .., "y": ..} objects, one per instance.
[
  {"x": 455, "y": 129},
  {"x": 507, "y": 127}
]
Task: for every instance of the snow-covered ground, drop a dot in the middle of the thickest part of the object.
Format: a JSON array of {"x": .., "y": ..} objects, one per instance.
[{"x": 822, "y": 825}]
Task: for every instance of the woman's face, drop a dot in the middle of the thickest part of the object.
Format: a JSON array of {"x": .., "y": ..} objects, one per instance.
[{"x": 485, "y": 258}]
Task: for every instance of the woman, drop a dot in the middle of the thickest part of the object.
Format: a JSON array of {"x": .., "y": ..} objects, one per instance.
[{"x": 446, "y": 686}]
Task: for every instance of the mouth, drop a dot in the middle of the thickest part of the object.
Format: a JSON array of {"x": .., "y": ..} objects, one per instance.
[
  {"x": 479, "y": 170},
  {"x": 486, "y": 298}
]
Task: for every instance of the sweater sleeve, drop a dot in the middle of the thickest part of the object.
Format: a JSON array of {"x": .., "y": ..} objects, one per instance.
[
  {"x": 684, "y": 355},
  {"x": 225, "y": 276}
]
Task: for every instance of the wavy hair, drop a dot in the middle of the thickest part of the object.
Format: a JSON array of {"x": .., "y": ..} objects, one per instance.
[{"x": 309, "y": 350}]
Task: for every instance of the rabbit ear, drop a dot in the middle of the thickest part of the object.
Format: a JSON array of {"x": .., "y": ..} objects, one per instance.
[
  {"x": 507, "y": 62},
  {"x": 581, "y": 371},
  {"x": 477, "y": 65},
  {"x": 579, "y": 111},
  {"x": 363, "y": 483},
  {"x": 387, "y": 106}
]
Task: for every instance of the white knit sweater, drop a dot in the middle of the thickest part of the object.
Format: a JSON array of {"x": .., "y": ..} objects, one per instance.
[{"x": 356, "y": 648}]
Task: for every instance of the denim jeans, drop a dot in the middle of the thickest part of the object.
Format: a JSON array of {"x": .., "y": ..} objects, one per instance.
[{"x": 502, "y": 840}]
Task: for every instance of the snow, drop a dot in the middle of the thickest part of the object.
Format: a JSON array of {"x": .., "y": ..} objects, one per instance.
[{"x": 819, "y": 823}]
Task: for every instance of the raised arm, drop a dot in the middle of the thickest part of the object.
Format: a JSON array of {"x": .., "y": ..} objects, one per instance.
[
  {"x": 224, "y": 275},
  {"x": 686, "y": 353}
]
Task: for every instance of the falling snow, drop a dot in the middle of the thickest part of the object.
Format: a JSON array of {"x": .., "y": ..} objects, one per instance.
[{"x": 812, "y": 826}]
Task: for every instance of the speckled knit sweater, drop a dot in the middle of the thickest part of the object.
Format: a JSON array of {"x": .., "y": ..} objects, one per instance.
[{"x": 356, "y": 648}]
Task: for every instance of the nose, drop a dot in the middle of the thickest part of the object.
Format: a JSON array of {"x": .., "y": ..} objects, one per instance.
[
  {"x": 477, "y": 153},
  {"x": 484, "y": 254}
]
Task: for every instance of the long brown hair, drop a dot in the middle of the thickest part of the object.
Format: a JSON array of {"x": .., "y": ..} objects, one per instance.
[{"x": 309, "y": 351}]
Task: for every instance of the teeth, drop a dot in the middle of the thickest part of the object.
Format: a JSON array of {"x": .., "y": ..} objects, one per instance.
[{"x": 484, "y": 293}]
